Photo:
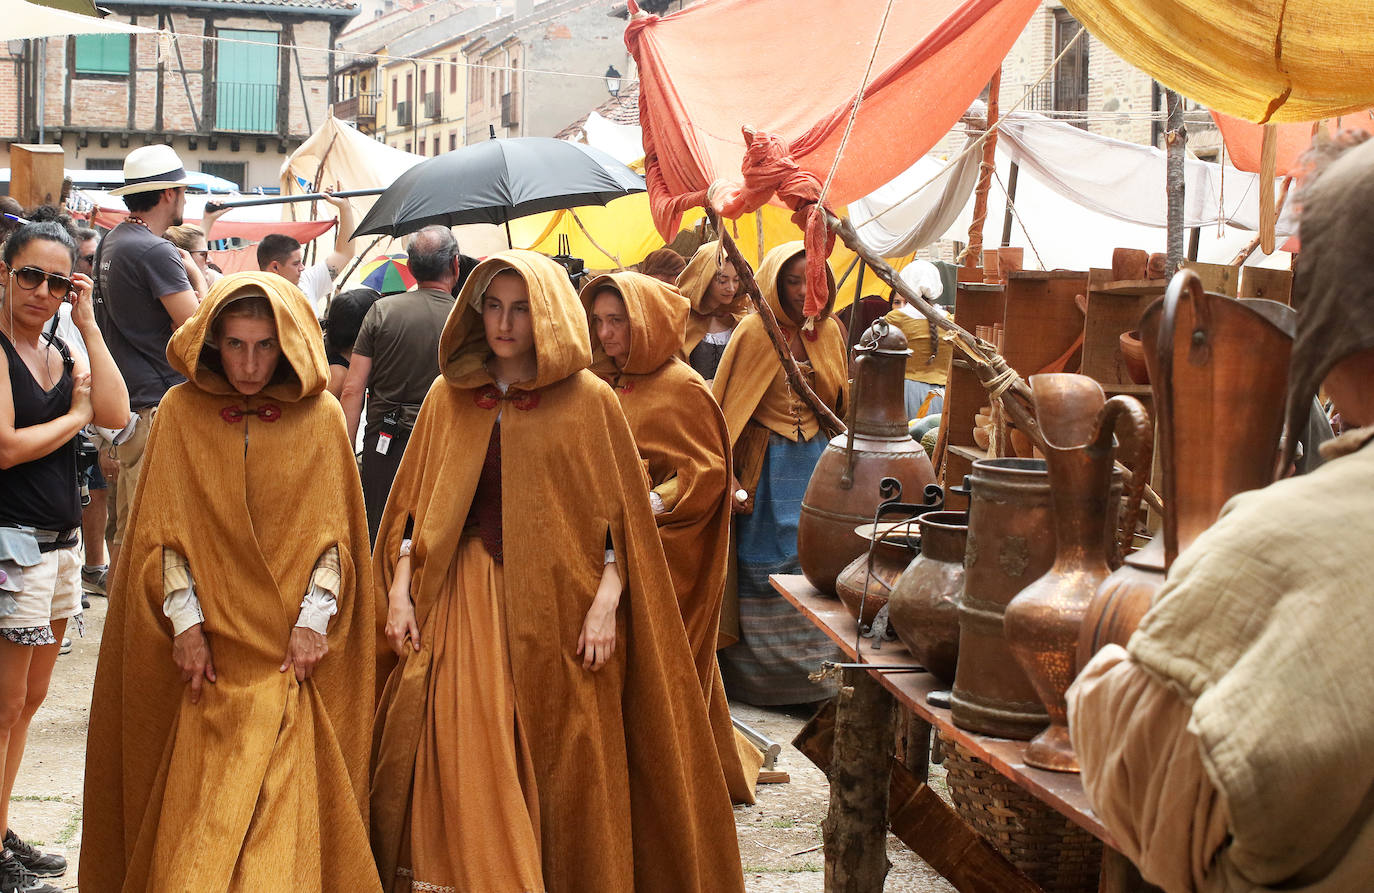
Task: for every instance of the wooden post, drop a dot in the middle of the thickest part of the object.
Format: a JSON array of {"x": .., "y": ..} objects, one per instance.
[
  {"x": 830, "y": 424},
  {"x": 855, "y": 827},
  {"x": 980, "y": 195},
  {"x": 1012, "y": 177},
  {"x": 1175, "y": 142}
]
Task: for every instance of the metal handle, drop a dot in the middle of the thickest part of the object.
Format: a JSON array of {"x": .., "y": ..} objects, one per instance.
[{"x": 1164, "y": 391}]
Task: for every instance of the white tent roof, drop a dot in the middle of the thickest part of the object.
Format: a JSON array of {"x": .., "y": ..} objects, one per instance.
[{"x": 26, "y": 20}]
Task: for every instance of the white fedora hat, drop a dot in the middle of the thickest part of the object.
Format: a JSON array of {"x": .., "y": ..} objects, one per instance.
[{"x": 150, "y": 168}]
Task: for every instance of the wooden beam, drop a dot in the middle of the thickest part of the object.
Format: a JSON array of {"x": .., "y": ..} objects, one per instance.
[
  {"x": 855, "y": 827},
  {"x": 980, "y": 193}
]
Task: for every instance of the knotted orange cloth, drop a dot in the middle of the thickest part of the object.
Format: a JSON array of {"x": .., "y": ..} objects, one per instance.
[
  {"x": 685, "y": 445},
  {"x": 263, "y": 784},
  {"x": 614, "y": 771},
  {"x": 694, "y": 282}
]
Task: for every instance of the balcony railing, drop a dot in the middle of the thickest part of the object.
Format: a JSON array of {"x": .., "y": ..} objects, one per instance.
[
  {"x": 362, "y": 107},
  {"x": 246, "y": 108},
  {"x": 404, "y": 114},
  {"x": 433, "y": 106},
  {"x": 510, "y": 109}
]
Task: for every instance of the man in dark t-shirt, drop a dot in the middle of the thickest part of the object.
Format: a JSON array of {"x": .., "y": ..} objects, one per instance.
[
  {"x": 396, "y": 359},
  {"x": 144, "y": 291}
]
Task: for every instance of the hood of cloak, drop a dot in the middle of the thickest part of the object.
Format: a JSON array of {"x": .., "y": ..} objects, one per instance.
[
  {"x": 770, "y": 274},
  {"x": 658, "y": 317},
  {"x": 1332, "y": 290},
  {"x": 561, "y": 341},
  {"x": 303, "y": 370},
  {"x": 701, "y": 270}
]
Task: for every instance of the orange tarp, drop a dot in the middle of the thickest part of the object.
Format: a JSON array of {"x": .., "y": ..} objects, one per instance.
[
  {"x": 251, "y": 230},
  {"x": 792, "y": 68},
  {"x": 1244, "y": 139}
]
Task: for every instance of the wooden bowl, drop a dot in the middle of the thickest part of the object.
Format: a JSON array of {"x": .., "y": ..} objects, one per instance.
[
  {"x": 1133, "y": 355},
  {"x": 982, "y": 437}
]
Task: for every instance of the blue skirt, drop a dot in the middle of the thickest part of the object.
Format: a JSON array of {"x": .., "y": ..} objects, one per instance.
[{"x": 778, "y": 648}]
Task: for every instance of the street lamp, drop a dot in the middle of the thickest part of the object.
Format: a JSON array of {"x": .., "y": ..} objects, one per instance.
[{"x": 612, "y": 81}]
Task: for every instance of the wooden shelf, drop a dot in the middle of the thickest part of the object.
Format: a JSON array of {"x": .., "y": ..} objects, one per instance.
[
  {"x": 971, "y": 453},
  {"x": 1132, "y": 287},
  {"x": 1132, "y": 390}
]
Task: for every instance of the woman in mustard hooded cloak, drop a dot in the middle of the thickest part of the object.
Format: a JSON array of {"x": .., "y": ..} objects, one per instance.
[
  {"x": 636, "y": 329},
  {"x": 243, "y": 764},
  {"x": 719, "y": 302},
  {"x": 776, "y": 442},
  {"x": 541, "y": 730}
]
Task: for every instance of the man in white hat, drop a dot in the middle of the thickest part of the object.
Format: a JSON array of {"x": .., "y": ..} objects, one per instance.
[{"x": 143, "y": 293}]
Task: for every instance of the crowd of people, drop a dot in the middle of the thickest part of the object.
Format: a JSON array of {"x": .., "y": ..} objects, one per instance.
[{"x": 481, "y": 653}]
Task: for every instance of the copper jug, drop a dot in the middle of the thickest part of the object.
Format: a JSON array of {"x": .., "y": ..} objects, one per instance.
[
  {"x": 1218, "y": 371},
  {"x": 1042, "y": 621},
  {"x": 924, "y": 605},
  {"x": 843, "y": 492},
  {"x": 1010, "y": 543}
]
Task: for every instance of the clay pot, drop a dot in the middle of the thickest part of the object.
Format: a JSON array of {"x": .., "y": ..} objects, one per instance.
[
  {"x": 864, "y": 594},
  {"x": 1129, "y": 263},
  {"x": 1042, "y": 622},
  {"x": 1133, "y": 357},
  {"x": 1157, "y": 265},
  {"x": 1218, "y": 371},
  {"x": 844, "y": 489},
  {"x": 1010, "y": 544},
  {"x": 924, "y": 605}
]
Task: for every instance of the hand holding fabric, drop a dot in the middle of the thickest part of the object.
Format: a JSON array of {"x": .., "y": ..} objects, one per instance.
[
  {"x": 191, "y": 652},
  {"x": 304, "y": 652}
]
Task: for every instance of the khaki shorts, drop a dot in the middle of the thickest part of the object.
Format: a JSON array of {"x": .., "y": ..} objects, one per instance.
[
  {"x": 130, "y": 456},
  {"x": 52, "y": 591}
]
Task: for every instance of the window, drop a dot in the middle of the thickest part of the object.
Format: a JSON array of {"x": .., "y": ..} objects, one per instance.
[
  {"x": 474, "y": 87},
  {"x": 410, "y": 86},
  {"x": 436, "y": 145},
  {"x": 104, "y": 164},
  {"x": 493, "y": 95},
  {"x": 407, "y": 145},
  {"x": 102, "y": 54},
  {"x": 424, "y": 74},
  {"x": 233, "y": 171},
  {"x": 452, "y": 140},
  {"x": 246, "y": 81},
  {"x": 453, "y": 74},
  {"x": 1071, "y": 75},
  {"x": 394, "y": 90}
]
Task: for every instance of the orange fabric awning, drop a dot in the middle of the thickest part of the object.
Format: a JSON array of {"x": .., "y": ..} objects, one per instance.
[
  {"x": 1244, "y": 139},
  {"x": 791, "y": 68},
  {"x": 252, "y": 231}
]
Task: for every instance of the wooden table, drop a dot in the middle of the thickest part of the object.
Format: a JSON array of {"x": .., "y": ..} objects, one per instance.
[{"x": 1062, "y": 792}]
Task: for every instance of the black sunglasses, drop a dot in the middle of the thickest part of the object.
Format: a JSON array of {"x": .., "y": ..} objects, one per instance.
[{"x": 32, "y": 277}]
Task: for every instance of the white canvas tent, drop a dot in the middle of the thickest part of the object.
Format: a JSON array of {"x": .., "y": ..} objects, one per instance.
[{"x": 29, "y": 20}]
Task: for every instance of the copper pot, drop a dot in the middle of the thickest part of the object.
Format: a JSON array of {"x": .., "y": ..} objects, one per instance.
[
  {"x": 844, "y": 489},
  {"x": 864, "y": 593},
  {"x": 1010, "y": 543},
  {"x": 1042, "y": 622},
  {"x": 924, "y": 605},
  {"x": 1218, "y": 371}
]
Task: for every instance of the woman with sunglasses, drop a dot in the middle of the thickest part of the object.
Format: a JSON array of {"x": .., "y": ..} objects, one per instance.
[{"x": 46, "y": 396}]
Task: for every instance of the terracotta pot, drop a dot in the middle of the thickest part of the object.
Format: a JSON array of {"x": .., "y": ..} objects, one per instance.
[
  {"x": 1133, "y": 357},
  {"x": 864, "y": 594},
  {"x": 1010, "y": 543},
  {"x": 844, "y": 489},
  {"x": 924, "y": 605},
  {"x": 1218, "y": 371},
  {"x": 1129, "y": 263},
  {"x": 1042, "y": 622}
]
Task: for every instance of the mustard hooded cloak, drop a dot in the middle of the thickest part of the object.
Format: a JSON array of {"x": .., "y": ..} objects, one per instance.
[
  {"x": 683, "y": 441},
  {"x": 264, "y": 782},
  {"x": 694, "y": 282},
  {"x": 626, "y": 791}
]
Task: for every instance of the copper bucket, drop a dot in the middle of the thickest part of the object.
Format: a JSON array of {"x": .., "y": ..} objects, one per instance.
[{"x": 1010, "y": 544}]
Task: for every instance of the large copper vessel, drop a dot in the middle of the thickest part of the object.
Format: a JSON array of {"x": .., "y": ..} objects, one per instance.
[
  {"x": 924, "y": 605},
  {"x": 1218, "y": 370},
  {"x": 844, "y": 489},
  {"x": 866, "y": 583},
  {"x": 1043, "y": 620},
  {"x": 1010, "y": 543}
]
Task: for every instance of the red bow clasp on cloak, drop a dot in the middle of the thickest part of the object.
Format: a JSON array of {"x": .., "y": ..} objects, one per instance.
[
  {"x": 268, "y": 412},
  {"x": 490, "y": 396}
]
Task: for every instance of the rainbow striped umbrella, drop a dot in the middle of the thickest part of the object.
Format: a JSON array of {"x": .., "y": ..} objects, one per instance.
[{"x": 388, "y": 274}]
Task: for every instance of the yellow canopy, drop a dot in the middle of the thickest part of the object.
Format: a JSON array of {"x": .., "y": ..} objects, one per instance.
[{"x": 1262, "y": 60}]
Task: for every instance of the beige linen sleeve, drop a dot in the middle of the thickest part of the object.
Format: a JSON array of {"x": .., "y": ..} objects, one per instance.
[
  {"x": 321, "y": 599},
  {"x": 1143, "y": 772},
  {"x": 179, "y": 602}
]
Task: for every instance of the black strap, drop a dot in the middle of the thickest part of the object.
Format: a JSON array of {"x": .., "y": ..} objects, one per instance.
[{"x": 107, "y": 320}]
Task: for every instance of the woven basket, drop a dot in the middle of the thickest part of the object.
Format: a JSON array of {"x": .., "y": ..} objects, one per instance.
[{"x": 1044, "y": 845}]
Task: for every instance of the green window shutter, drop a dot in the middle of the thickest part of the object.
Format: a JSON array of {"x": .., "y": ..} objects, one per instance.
[
  {"x": 246, "y": 81},
  {"x": 102, "y": 54}
]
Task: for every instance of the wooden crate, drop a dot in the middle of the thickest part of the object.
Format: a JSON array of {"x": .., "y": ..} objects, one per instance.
[
  {"x": 1273, "y": 285},
  {"x": 1042, "y": 319},
  {"x": 36, "y": 174},
  {"x": 1217, "y": 278},
  {"x": 976, "y": 305},
  {"x": 1114, "y": 307}
]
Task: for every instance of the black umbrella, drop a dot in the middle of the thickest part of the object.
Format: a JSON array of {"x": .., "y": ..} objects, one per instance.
[{"x": 496, "y": 181}]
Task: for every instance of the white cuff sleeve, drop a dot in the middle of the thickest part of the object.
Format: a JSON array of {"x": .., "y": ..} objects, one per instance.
[
  {"x": 317, "y": 607},
  {"x": 610, "y": 556},
  {"x": 183, "y": 608},
  {"x": 657, "y": 502}
]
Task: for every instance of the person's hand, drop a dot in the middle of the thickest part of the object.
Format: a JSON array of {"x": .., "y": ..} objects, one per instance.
[
  {"x": 596, "y": 642},
  {"x": 740, "y": 505},
  {"x": 81, "y": 398},
  {"x": 329, "y": 196},
  {"x": 191, "y": 652},
  {"x": 304, "y": 652},
  {"x": 83, "y": 310},
  {"x": 400, "y": 621},
  {"x": 109, "y": 465},
  {"x": 207, "y": 220}
]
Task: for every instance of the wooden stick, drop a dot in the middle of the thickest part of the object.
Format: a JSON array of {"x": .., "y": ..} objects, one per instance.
[
  {"x": 830, "y": 424},
  {"x": 1278, "y": 209},
  {"x": 980, "y": 193},
  {"x": 595, "y": 244}
]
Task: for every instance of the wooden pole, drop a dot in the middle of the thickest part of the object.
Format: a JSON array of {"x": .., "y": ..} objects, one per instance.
[
  {"x": 855, "y": 827},
  {"x": 1175, "y": 142},
  {"x": 974, "y": 257},
  {"x": 1255, "y": 243},
  {"x": 1011, "y": 200},
  {"x": 830, "y": 424}
]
